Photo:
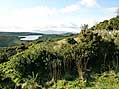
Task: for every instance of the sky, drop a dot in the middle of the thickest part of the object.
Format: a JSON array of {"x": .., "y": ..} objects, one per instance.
[{"x": 57, "y": 15}]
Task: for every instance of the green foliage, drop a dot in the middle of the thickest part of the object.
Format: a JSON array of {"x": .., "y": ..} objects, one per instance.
[
  {"x": 75, "y": 84},
  {"x": 6, "y": 83},
  {"x": 30, "y": 82},
  {"x": 71, "y": 41},
  {"x": 6, "y": 53},
  {"x": 40, "y": 60},
  {"x": 72, "y": 65},
  {"x": 108, "y": 80}
]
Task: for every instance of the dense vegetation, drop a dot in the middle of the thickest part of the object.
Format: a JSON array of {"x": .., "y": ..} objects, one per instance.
[
  {"x": 109, "y": 25},
  {"x": 88, "y": 60}
]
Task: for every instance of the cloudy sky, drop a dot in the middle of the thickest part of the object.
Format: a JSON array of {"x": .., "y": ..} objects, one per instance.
[{"x": 58, "y": 15}]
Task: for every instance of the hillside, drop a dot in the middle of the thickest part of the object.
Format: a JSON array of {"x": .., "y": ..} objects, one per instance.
[
  {"x": 88, "y": 60},
  {"x": 112, "y": 24}
]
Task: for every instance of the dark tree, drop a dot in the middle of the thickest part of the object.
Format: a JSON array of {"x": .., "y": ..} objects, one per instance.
[{"x": 84, "y": 27}]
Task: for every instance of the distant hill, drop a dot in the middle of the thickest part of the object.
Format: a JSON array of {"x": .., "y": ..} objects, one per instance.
[
  {"x": 52, "y": 32},
  {"x": 12, "y": 38},
  {"x": 18, "y": 33}
]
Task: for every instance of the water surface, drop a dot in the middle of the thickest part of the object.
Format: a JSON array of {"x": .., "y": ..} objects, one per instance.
[{"x": 30, "y": 37}]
